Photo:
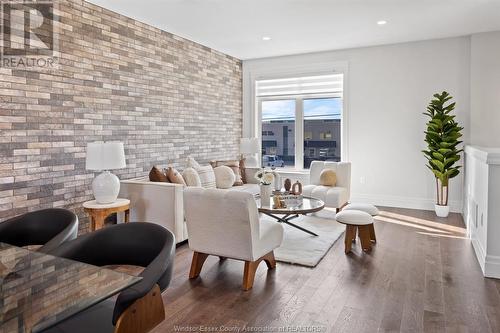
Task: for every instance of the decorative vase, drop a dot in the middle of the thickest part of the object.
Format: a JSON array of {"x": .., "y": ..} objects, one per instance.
[
  {"x": 288, "y": 184},
  {"x": 442, "y": 211},
  {"x": 265, "y": 195},
  {"x": 297, "y": 188}
]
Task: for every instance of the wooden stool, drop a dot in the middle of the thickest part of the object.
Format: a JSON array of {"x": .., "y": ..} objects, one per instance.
[
  {"x": 367, "y": 208},
  {"x": 357, "y": 222}
]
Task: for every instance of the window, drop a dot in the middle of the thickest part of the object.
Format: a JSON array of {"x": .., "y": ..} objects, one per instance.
[
  {"x": 304, "y": 116},
  {"x": 278, "y": 117}
]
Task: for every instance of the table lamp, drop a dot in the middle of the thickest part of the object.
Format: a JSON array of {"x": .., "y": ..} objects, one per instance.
[
  {"x": 248, "y": 148},
  {"x": 105, "y": 156}
]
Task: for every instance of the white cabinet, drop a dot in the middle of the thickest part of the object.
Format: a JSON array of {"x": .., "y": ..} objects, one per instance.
[{"x": 482, "y": 206}]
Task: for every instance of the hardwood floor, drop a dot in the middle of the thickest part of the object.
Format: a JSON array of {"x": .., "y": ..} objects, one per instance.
[{"x": 421, "y": 275}]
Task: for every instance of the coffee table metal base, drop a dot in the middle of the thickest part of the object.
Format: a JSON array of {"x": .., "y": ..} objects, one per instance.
[{"x": 286, "y": 219}]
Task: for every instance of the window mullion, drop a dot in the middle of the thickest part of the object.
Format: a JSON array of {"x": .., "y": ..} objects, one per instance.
[{"x": 299, "y": 133}]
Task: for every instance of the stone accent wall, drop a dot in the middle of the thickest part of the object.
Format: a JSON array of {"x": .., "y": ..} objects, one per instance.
[{"x": 119, "y": 79}]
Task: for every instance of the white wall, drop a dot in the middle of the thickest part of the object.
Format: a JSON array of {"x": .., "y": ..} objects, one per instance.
[
  {"x": 485, "y": 89},
  {"x": 387, "y": 89}
]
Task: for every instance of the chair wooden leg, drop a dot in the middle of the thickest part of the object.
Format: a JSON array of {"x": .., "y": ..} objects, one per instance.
[
  {"x": 350, "y": 231},
  {"x": 251, "y": 268},
  {"x": 373, "y": 238},
  {"x": 354, "y": 234},
  {"x": 197, "y": 263},
  {"x": 249, "y": 274},
  {"x": 270, "y": 261},
  {"x": 143, "y": 315},
  {"x": 364, "y": 235}
]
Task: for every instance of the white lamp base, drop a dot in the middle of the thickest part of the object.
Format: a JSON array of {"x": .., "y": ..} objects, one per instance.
[{"x": 106, "y": 188}]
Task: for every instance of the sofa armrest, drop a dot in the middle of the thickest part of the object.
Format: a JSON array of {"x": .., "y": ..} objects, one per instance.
[
  {"x": 145, "y": 182},
  {"x": 250, "y": 175},
  {"x": 156, "y": 202}
]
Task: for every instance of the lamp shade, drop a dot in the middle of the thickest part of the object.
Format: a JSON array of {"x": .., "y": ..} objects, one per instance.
[
  {"x": 249, "y": 145},
  {"x": 105, "y": 156}
]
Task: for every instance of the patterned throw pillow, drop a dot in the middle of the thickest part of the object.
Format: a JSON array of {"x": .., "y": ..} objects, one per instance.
[
  {"x": 234, "y": 165},
  {"x": 174, "y": 176},
  {"x": 157, "y": 175},
  {"x": 207, "y": 176}
]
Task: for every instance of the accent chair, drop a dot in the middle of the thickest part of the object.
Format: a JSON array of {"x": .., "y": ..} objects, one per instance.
[
  {"x": 334, "y": 196},
  {"x": 227, "y": 224}
]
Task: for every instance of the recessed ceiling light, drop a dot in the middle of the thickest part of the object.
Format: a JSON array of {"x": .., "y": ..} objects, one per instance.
[
  {"x": 266, "y": 38},
  {"x": 382, "y": 22}
]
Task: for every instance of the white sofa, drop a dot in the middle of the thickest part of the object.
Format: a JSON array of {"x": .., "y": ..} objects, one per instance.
[
  {"x": 333, "y": 196},
  {"x": 163, "y": 203},
  {"x": 227, "y": 225}
]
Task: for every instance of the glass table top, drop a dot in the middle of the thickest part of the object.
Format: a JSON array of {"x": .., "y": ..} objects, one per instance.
[
  {"x": 307, "y": 205},
  {"x": 39, "y": 290}
]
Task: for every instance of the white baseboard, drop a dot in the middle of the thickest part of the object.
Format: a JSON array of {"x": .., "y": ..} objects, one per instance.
[
  {"x": 492, "y": 267},
  {"x": 480, "y": 254},
  {"x": 403, "y": 202}
]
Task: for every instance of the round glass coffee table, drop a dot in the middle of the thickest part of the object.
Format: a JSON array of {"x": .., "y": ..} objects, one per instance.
[{"x": 308, "y": 205}]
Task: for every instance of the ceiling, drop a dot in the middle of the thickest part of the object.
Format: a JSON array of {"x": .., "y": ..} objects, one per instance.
[{"x": 236, "y": 27}]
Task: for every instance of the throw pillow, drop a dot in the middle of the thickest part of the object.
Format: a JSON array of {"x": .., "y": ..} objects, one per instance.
[
  {"x": 235, "y": 167},
  {"x": 191, "y": 177},
  {"x": 242, "y": 171},
  {"x": 224, "y": 176},
  {"x": 156, "y": 175},
  {"x": 191, "y": 163},
  {"x": 207, "y": 176},
  {"x": 328, "y": 177},
  {"x": 174, "y": 176}
]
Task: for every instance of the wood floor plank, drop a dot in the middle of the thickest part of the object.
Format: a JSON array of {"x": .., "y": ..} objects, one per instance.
[{"x": 421, "y": 276}]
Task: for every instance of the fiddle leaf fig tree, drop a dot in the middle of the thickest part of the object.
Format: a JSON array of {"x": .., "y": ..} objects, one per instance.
[{"x": 442, "y": 138}]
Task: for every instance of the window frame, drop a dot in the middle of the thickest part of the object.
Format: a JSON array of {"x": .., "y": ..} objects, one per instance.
[{"x": 299, "y": 125}]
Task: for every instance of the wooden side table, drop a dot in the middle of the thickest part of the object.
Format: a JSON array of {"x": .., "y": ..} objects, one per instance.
[{"x": 99, "y": 212}]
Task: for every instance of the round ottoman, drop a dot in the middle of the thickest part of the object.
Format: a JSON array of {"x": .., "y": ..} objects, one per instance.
[
  {"x": 356, "y": 221},
  {"x": 367, "y": 208}
]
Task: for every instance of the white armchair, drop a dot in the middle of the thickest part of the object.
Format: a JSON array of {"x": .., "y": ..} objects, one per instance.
[
  {"x": 226, "y": 224},
  {"x": 334, "y": 196}
]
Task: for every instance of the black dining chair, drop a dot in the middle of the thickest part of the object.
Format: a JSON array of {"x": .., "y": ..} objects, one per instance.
[
  {"x": 139, "y": 308},
  {"x": 47, "y": 227}
]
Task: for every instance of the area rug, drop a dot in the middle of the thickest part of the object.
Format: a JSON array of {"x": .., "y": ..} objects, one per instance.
[{"x": 304, "y": 249}]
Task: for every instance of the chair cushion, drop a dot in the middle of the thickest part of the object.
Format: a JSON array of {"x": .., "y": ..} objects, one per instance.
[
  {"x": 334, "y": 197},
  {"x": 224, "y": 177},
  {"x": 354, "y": 217},
  {"x": 328, "y": 177},
  {"x": 367, "y": 208}
]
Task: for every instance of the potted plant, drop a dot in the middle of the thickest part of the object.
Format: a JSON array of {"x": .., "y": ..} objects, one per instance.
[{"x": 442, "y": 138}]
